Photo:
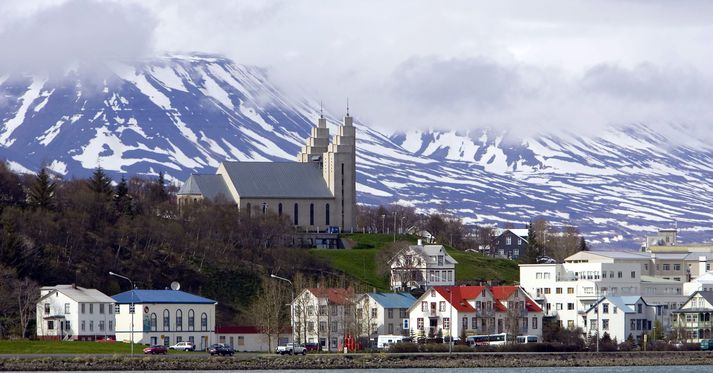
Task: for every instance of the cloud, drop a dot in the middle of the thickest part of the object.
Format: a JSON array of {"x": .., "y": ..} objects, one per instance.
[{"x": 76, "y": 31}]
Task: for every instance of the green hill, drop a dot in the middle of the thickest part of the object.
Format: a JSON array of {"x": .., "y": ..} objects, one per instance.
[{"x": 360, "y": 262}]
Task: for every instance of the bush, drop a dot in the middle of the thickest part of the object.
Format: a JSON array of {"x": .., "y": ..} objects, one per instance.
[
  {"x": 403, "y": 347},
  {"x": 434, "y": 347}
]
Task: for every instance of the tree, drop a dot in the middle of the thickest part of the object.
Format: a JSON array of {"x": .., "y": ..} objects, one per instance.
[
  {"x": 100, "y": 183},
  {"x": 407, "y": 265},
  {"x": 657, "y": 332},
  {"x": 42, "y": 191},
  {"x": 122, "y": 198},
  {"x": 26, "y": 292},
  {"x": 268, "y": 308},
  {"x": 11, "y": 192},
  {"x": 532, "y": 251},
  {"x": 583, "y": 244}
]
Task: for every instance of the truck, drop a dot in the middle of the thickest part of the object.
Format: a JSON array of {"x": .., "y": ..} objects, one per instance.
[{"x": 291, "y": 349}]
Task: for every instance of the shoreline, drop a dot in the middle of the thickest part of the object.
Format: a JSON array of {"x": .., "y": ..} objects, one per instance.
[{"x": 358, "y": 361}]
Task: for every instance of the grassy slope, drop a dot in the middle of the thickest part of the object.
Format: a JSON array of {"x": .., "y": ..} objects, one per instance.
[{"x": 360, "y": 262}]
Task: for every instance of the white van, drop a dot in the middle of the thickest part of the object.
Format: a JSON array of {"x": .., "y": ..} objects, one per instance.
[
  {"x": 384, "y": 341},
  {"x": 527, "y": 339}
]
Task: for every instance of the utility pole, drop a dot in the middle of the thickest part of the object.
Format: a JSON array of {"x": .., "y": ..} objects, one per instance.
[
  {"x": 292, "y": 313},
  {"x": 394, "y": 226}
]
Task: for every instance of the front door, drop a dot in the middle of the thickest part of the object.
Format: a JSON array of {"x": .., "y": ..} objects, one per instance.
[{"x": 154, "y": 341}]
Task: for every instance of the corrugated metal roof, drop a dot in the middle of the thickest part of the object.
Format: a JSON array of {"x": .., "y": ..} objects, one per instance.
[
  {"x": 80, "y": 294},
  {"x": 277, "y": 180},
  {"x": 160, "y": 296},
  {"x": 210, "y": 186},
  {"x": 393, "y": 300}
]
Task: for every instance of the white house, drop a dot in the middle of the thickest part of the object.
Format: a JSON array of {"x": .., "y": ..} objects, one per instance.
[
  {"x": 422, "y": 266},
  {"x": 70, "y": 312},
  {"x": 326, "y": 316},
  {"x": 384, "y": 313},
  {"x": 165, "y": 317},
  {"x": 475, "y": 310},
  {"x": 692, "y": 321},
  {"x": 250, "y": 338},
  {"x": 621, "y": 316}
]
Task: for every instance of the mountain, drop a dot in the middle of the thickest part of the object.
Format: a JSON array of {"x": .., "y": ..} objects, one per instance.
[{"x": 184, "y": 114}]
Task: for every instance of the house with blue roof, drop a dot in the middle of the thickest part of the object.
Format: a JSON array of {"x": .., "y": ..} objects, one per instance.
[
  {"x": 385, "y": 313},
  {"x": 164, "y": 317},
  {"x": 621, "y": 316}
]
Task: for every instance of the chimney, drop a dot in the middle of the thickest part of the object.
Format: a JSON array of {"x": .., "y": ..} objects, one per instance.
[
  {"x": 702, "y": 265},
  {"x": 420, "y": 242}
]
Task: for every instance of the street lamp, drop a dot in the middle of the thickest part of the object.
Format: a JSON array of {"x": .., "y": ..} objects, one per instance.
[
  {"x": 292, "y": 313},
  {"x": 131, "y": 307}
]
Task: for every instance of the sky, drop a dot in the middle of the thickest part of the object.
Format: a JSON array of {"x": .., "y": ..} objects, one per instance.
[{"x": 522, "y": 66}]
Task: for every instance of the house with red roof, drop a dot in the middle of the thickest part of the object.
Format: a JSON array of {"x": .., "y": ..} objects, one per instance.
[
  {"x": 474, "y": 310},
  {"x": 325, "y": 316}
]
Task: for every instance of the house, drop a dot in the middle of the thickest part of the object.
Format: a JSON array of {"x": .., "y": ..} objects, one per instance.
[
  {"x": 509, "y": 243},
  {"x": 384, "y": 313},
  {"x": 692, "y": 321},
  {"x": 165, "y": 317},
  {"x": 250, "y": 338},
  {"x": 474, "y": 310},
  {"x": 71, "y": 312},
  {"x": 325, "y": 316},
  {"x": 421, "y": 266},
  {"x": 621, "y": 317},
  {"x": 316, "y": 192}
]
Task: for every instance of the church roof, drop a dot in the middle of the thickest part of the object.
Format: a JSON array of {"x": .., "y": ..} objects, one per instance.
[
  {"x": 277, "y": 180},
  {"x": 210, "y": 186}
]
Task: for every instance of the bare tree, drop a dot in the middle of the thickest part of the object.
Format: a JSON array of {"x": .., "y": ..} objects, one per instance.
[
  {"x": 26, "y": 292},
  {"x": 268, "y": 308},
  {"x": 400, "y": 262}
]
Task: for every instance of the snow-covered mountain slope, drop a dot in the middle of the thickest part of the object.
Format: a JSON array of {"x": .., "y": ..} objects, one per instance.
[{"x": 185, "y": 114}]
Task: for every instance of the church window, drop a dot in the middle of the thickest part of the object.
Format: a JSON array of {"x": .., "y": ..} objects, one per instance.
[
  {"x": 279, "y": 209},
  {"x": 295, "y": 215},
  {"x": 311, "y": 214},
  {"x": 264, "y": 208},
  {"x": 326, "y": 214}
]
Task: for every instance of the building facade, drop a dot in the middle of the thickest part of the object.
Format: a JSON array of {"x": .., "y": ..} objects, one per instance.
[
  {"x": 325, "y": 316},
  {"x": 70, "y": 312},
  {"x": 510, "y": 243},
  {"x": 421, "y": 266},
  {"x": 692, "y": 322},
  {"x": 165, "y": 317},
  {"x": 250, "y": 338},
  {"x": 621, "y": 317},
  {"x": 384, "y": 313},
  {"x": 316, "y": 192}
]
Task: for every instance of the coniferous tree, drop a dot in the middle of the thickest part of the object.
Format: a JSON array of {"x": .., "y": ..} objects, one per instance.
[
  {"x": 100, "y": 183},
  {"x": 122, "y": 199},
  {"x": 583, "y": 244},
  {"x": 532, "y": 251},
  {"x": 42, "y": 191}
]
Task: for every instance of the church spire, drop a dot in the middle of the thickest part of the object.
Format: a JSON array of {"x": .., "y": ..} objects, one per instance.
[
  {"x": 347, "y": 106},
  {"x": 321, "y": 113}
]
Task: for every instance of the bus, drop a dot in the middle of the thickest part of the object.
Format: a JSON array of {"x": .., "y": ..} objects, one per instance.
[
  {"x": 489, "y": 339},
  {"x": 522, "y": 339}
]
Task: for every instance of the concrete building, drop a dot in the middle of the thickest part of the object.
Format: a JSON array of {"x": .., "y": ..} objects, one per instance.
[
  {"x": 165, "y": 317},
  {"x": 474, "y": 310},
  {"x": 316, "y": 192},
  {"x": 70, "y": 312},
  {"x": 250, "y": 338},
  {"x": 384, "y": 313},
  {"x": 325, "y": 316},
  {"x": 621, "y": 317},
  {"x": 421, "y": 266}
]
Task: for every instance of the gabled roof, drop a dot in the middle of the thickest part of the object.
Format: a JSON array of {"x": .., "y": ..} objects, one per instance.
[
  {"x": 460, "y": 296},
  {"x": 522, "y": 233},
  {"x": 277, "y": 180},
  {"x": 393, "y": 300},
  {"x": 78, "y": 294},
  {"x": 427, "y": 251},
  {"x": 160, "y": 296},
  {"x": 623, "y": 303},
  {"x": 209, "y": 186},
  {"x": 503, "y": 293},
  {"x": 333, "y": 295}
]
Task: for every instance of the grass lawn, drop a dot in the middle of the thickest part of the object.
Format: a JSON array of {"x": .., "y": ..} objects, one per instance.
[
  {"x": 25, "y": 346},
  {"x": 360, "y": 262}
]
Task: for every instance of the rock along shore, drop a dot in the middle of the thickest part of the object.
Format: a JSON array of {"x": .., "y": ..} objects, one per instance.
[{"x": 357, "y": 361}]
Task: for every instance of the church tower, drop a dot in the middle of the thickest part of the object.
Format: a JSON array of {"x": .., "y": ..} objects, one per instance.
[
  {"x": 339, "y": 172},
  {"x": 317, "y": 143}
]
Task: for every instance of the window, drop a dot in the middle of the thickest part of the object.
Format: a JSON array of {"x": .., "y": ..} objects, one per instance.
[
  {"x": 474, "y": 323},
  {"x": 424, "y": 306},
  {"x": 91, "y": 307},
  {"x": 310, "y": 326},
  {"x": 441, "y": 306},
  {"x": 101, "y": 308},
  {"x": 639, "y": 308},
  {"x": 295, "y": 215},
  {"x": 604, "y": 274},
  {"x": 204, "y": 322},
  {"x": 334, "y": 310},
  {"x": 323, "y": 310},
  {"x": 101, "y": 325},
  {"x": 676, "y": 267},
  {"x": 91, "y": 325},
  {"x": 279, "y": 209},
  {"x": 570, "y": 306},
  {"x": 373, "y": 313},
  {"x": 117, "y": 308},
  {"x": 47, "y": 308},
  {"x": 633, "y": 274},
  {"x": 570, "y": 290},
  {"x": 538, "y": 276},
  {"x": 446, "y": 323},
  {"x": 465, "y": 323},
  {"x": 333, "y": 327},
  {"x": 534, "y": 322},
  {"x": 419, "y": 323},
  {"x": 605, "y": 308},
  {"x": 558, "y": 306},
  {"x": 547, "y": 290},
  {"x": 66, "y": 309},
  {"x": 570, "y": 324},
  {"x": 666, "y": 267},
  {"x": 546, "y": 275},
  {"x": 390, "y": 313},
  {"x": 191, "y": 320},
  {"x": 311, "y": 214},
  {"x": 111, "y": 325},
  {"x": 440, "y": 260},
  {"x": 619, "y": 274},
  {"x": 241, "y": 340},
  {"x": 558, "y": 290},
  {"x": 166, "y": 320},
  {"x": 391, "y": 328},
  {"x": 179, "y": 320},
  {"x": 84, "y": 324},
  {"x": 154, "y": 322},
  {"x": 50, "y": 325},
  {"x": 326, "y": 214}
]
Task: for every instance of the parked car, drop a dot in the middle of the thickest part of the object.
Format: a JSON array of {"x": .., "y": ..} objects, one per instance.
[
  {"x": 183, "y": 346},
  {"x": 155, "y": 350},
  {"x": 312, "y": 346},
  {"x": 291, "y": 349},
  {"x": 221, "y": 349}
]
